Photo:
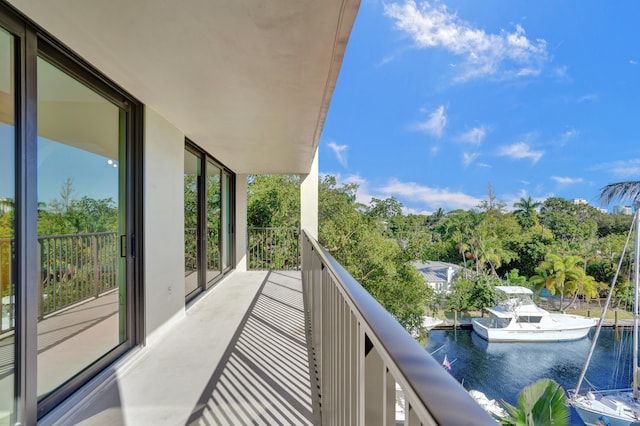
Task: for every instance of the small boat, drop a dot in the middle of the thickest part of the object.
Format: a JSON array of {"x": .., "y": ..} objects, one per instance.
[
  {"x": 516, "y": 318},
  {"x": 491, "y": 406},
  {"x": 618, "y": 407}
]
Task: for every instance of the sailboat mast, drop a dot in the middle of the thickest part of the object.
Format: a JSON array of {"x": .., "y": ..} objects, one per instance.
[
  {"x": 594, "y": 341},
  {"x": 636, "y": 276}
]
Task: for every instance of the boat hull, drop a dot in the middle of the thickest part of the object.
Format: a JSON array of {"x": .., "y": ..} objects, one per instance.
[
  {"x": 625, "y": 413},
  {"x": 560, "y": 328}
]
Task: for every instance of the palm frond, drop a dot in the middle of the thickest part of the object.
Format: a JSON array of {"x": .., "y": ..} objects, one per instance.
[
  {"x": 541, "y": 404},
  {"x": 622, "y": 190}
]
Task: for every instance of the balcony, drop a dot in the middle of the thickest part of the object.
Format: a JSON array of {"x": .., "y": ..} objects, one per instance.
[{"x": 278, "y": 347}]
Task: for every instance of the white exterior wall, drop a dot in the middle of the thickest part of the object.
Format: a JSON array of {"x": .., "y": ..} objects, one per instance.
[
  {"x": 309, "y": 199},
  {"x": 163, "y": 224}
]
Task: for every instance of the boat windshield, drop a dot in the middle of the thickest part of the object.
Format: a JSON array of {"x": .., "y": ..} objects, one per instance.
[
  {"x": 497, "y": 322},
  {"x": 529, "y": 318},
  {"x": 515, "y": 301}
]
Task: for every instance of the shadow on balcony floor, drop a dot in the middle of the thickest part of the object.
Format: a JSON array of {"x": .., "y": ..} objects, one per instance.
[
  {"x": 239, "y": 356},
  {"x": 264, "y": 377}
]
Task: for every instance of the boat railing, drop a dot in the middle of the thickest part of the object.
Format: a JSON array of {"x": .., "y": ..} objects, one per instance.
[{"x": 361, "y": 352}]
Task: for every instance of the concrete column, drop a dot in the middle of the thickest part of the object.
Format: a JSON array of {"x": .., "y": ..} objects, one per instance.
[
  {"x": 241, "y": 222},
  {"x": 309, "y": 199}
]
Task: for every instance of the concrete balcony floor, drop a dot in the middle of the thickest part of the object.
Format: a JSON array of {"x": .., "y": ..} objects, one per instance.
[{"x": 239, "y": 356}]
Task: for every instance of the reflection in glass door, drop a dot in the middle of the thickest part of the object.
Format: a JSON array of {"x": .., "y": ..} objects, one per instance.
[
  {"x": 7, "y": 228},
  {"x": 207, "y": 219},
  {"x": 82, "y": 244},
  {"x": 226, "y": 221},
  {"x": 213, "y": 221},
  {"x": 192, "y": 172}
]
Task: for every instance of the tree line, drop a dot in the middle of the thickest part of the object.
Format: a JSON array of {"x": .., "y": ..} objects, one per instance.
[{"x": 571, "y": 250}]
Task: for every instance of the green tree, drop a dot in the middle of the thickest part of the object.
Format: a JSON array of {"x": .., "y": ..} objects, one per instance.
[
  {"x": 356, "y": 239},
  {"x": 472, "y": 294},
  {"x": 570, "y": 223},
  {"x": 565, "y": 276},
  {"x": 384, "y": 209},
  {"x": 539, "y": 404},
  {"x": 525, "y": 211},
  {"x": 273, "y": 201}
]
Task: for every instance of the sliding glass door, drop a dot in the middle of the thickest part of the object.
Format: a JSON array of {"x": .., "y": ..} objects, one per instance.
[
  {"x": 7, "y": 227},
  {"x": 213, "y": 192},
  {"x": 82, "y": 232},
  {"x": 192, "y": 177},
  {"x": 70, "y": 209},
  {"x": 207, "y": 220}
]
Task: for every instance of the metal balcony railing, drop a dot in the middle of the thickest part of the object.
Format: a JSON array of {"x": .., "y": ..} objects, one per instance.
[
  {"x": 73, "y": 268},
  {"x": 76, "y": 267},
  {"x": 361, "y": 353},
  {"x": 273, "y": 249}
]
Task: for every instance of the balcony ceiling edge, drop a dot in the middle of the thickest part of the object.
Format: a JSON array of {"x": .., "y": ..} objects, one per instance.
[{"x": 248, "y": 81}]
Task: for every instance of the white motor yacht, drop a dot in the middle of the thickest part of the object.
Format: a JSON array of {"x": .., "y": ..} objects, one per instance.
[{"x": 516, "y": 318}]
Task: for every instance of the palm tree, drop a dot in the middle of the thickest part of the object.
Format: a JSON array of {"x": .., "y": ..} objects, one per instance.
[
  {"x": 562, "y": 275},
  {"x": 539, "y": 404},
  {"x": 525, "y": 211},
  {"x": 621, "y": 190}
]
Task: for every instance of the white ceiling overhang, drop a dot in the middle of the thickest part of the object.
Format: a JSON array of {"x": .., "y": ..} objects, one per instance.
[{"x": 250, "y": 81}]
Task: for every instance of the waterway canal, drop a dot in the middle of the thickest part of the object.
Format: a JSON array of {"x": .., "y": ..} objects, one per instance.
[{"x": 501, "y": 370}]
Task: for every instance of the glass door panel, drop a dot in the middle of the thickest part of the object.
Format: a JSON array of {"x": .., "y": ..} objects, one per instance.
[
  {"x": 226, "y": 221},
  {"x": 192, "y": 172},
  {"x": 7, "y": 227},
  {"x": 82, "y": 286},
  {"x": 213, "y": 221}
]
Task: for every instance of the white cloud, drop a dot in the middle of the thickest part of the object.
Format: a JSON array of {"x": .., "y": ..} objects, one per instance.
[
  {"x": 418, "y": 199},
  {"x": 468, "y": 158},
  {"x": 633, "y": 62},
  {"x": 589, "y": 97},
  {"x": 474, "y": 136},
  {"x": 567, "y": 136},
  {"x": 562, "y": 72},
  {"x": 564, "y": 180},
  {"x": 520, "y": 150},
  {"x": 433, "y": 198},
  {"x": 408, "y": 210},
  {"x": 340, "y": 152},
  {"x": 503, "y": 54},
  {"x": 436, "y": 122},
  {"x": 628, "y": 169}
]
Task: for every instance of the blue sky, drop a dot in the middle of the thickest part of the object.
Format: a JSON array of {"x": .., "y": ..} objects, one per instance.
[{"x": 436, "y": 100}]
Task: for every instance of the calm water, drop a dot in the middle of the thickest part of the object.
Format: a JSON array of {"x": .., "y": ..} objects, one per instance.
[{"x": 501, "y": 370}]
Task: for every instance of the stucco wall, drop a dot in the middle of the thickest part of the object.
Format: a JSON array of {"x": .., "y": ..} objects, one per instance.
[{"x": 163, "y": 223}]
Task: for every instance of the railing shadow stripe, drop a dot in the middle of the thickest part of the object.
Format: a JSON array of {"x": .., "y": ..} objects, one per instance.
[
  {"x": 295, "y": 340},
  {"x": 295, "y": 387},
  {"x": 263, "y": 376},
  {"x": 284, "y": 286},
  {"x": 287, "y": 305},
  {"x": 278, "y": 339},
  {"x": 273, "y": 363},
  {"x": 241, "y": 410},
  {"x": 258, "y": 397},
  {"x": 279, "y": 392},
  {"x": 269, "y": 400},
  {"x": 228, "y": 406}
]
